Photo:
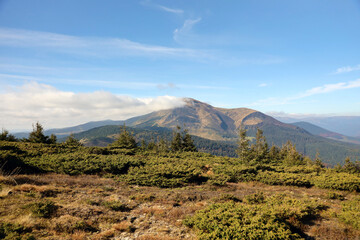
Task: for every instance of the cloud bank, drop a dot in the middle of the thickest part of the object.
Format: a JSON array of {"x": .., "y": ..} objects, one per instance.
[{"x": 33, "y": 102}]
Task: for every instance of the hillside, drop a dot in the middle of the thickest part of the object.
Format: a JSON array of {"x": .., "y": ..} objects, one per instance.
[
  {"x": 346, "y": 125},
  {"x": 316, "y": 130},
  {"x": 61, "y": 132},
  {"x": 103, "y": 136},
  {"x": 76, "y": 192},
  {"x": 206, "y": 121},
  {"x": 215, "y": 130}
]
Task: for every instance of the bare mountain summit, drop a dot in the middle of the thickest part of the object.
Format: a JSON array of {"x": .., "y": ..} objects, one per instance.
[{"x": 204, "y": 120}]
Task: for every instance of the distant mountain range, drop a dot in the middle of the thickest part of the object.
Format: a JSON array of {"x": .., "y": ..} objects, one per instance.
[
  {"x": 346, "y": 125},
  {"x": 64, "y": 132},
  {"x": 216, "y": 131},
  {"x": 318, "y": 131}
]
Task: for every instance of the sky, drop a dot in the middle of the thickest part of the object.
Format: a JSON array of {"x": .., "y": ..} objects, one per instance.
[{"x": 67, "y": 62}]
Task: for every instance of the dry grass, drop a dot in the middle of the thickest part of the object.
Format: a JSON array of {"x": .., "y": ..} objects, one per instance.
[
  {"x": 332, "y": 230},
  {"x": 152, "y": 210},
  {"x": 78, "y": 235},
  {"x": 123, "y": 226},
  {"x": 155, "y": 213},
  {"x": 156, "y": 237}
]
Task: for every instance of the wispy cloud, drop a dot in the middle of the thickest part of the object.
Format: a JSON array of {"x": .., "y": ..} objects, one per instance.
[
  {"x": 104, "y": 47},
  {"x": 263, "y": 85},
  {"x": 292, "y": 117},
  {"x": 330, "y": 88},
  {"x": 347, "y": 69},
  {"x": 166, "y": 86},
  {"x": 327, "y": 88},
  {"x": 171, "y": 10},
  {"x": 107, "y": 84},
  {"x": 162, "y": 7},
  {"x": 185, "y": 32},
  {"x": 24, "y": 105}
]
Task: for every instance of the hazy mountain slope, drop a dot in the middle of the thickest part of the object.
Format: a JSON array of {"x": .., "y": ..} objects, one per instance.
[
  {"x": 60, "y": 132},
  {"x": 103, "y": 136},
  {"x": 316, "y": 130},
  {"x": 346, "y": 125}
]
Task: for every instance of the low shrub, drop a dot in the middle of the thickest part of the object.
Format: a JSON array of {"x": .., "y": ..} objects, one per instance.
[
  {"x": 273, "y": 218},
  {"x": 10, "y": 231},
  {"x": 117, "y": 206},
  {"x": 350, "y": 213},
  {"x": 43, "y": 209},
  {"x": 286, "y": 179},
  {"x": 335, "y": 195},
  {"x": 255, "y": 198},
  {"x": 338, "y": 181}
]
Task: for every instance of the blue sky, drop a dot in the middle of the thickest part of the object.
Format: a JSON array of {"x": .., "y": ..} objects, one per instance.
[{"x": 69, "y": 62}]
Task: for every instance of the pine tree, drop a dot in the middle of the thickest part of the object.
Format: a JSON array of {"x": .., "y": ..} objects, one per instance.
[
  {"x": 5, "y": 136},
  {"x": 163, "y": 146},
  {"x": 176, "y": 143},
  {"x": 52, "y": 139},
  {"x": 243, "y": 150},
  {"x": 151, "y": 145},
  {"x": 182, "y": 141},
  {"x": 274, "y": 154},
  {"x": 143, "y": 145},
  {"x": 318, "y": 161},
  {"x": 125, "y": 140},
  {"x": 72, "y": 141},
  {"x": 260, "y": 148},
  {"x": 290, "y": 156},
  {"x": 37, "y": 135},
  {"x": 188, "y": 144}
]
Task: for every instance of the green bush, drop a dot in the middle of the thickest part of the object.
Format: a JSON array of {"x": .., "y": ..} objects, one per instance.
[
  {"x": 117, "y": 206},
  {"x": 287, "y": 179},
  {"x": 255, "y": 198},
  {"x": 165, "y": 173},
  {"x": 334, "y": 195},
  {"x": 338, "y": 181},
  {"x": 267, "y": 219},
  {"x": 10, "y": 231},
  {"x": 43, "y": 209},
  {"x": 350, "y": 213}
]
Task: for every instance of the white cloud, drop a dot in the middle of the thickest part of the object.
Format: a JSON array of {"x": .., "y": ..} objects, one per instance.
[
  {"x": 263, "y": 85},
  {"x": 330, "y": 88},
  {"x": 347, "y": 69},
  {"x": 103, "y": 47},
  {"x": 171, "y": 10},
  {"x": 24, "y": 105},
  {"x": 161, "y": 7},
  {"x": 185, "y": 32},
  {"x": 327, "y": 88}
]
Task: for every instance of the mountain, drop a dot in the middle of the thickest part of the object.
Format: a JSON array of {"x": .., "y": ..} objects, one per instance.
[
  {"x": 206, "y": 121},
  {"x": 219, "y": 124},
  {"x": 216, "y": 131},
  {"x": 346, "y": 125},
  {"x": 316, "y": 130},
  {"x": 103, "y": 136},
  {"x": 62, "y": 132}
]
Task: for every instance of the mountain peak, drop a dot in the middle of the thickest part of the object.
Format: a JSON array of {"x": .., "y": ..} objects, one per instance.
[{"x": 204, "y": 120}]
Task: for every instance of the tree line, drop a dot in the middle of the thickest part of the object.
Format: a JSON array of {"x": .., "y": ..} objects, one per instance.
[{"x": 250, "y": 154}]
